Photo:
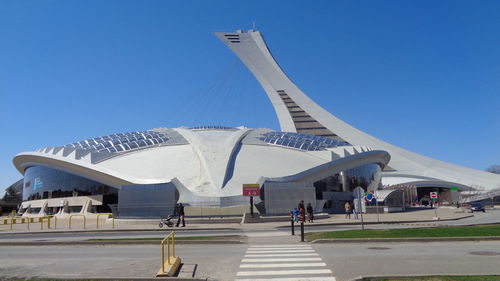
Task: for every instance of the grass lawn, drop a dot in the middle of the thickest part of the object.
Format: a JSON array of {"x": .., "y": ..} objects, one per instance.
[
  {"x": 227, "y": 237},
  {"x": 440, "y": 278},
  {"x": 459, "y": 231}
]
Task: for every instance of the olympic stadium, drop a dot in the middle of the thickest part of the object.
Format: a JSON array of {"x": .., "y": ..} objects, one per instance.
[{"x": 316, "y": 157}]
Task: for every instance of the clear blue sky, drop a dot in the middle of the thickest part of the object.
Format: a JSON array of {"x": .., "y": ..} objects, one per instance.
[{"x": 424, "y": 75}]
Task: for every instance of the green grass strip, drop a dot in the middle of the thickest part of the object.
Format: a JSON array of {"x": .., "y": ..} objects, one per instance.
[{"x": 458, "y": 231}]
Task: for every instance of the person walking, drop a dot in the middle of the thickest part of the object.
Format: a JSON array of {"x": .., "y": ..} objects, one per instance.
[
  {"x": 347, "y": 208},
  {"x": 180, "y": 213},
  {"x": 309, "y": 213}
]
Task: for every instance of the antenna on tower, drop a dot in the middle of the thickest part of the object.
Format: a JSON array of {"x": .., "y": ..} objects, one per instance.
[{"x": 253, "y": 25}]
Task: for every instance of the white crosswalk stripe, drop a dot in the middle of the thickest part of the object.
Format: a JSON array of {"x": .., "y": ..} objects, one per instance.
[
  {"x": 280, "y": 255},
  {"x": 283, "y": 263},
  {"x": 266, "y": 265},
  {"x": 278, "y": 251},
  {"x": 326, "y": 278},
  {"x": 281, "y": 259}
]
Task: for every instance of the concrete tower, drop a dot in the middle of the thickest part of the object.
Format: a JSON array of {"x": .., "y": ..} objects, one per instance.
[{"x": 296, "y": 112}]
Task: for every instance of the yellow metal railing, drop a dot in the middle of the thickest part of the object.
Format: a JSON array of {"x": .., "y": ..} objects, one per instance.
[
  {"x": 84, "y": 220},
  {"x": 107, "y": 214},
  {"x": 13, "y": 220},
  {"x": 169, "y": 240},
  {"x": 55, "y": 220}
]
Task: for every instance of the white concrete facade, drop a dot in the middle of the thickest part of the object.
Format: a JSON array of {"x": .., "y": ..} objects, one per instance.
[{"x": 211, "y": 164}]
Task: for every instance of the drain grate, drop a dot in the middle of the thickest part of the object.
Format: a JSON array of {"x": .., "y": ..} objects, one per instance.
[
  {"x": 378, "y": 248},
  {"x": 485, "y": 253}
]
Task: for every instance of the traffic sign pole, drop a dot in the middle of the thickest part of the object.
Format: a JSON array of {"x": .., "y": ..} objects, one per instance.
[
  {"x": 360, "y": 210},
  {"x": 434, "y": 196},
  {"x": 435, "y": 210}
]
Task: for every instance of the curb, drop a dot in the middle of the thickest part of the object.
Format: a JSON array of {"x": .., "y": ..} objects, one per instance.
[
  {"x": 357, "y": 222},
  {"x": 369, "y": 277},
  {"x": 433, "y": 239},
  {"x": 102, "y": 243},
  {"x": 120, "y": 230},
  {"x": 114, "y": 279}
]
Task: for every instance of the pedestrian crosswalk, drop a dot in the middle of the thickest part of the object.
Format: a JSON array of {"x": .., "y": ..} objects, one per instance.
[{"x": 283, "y": 263}]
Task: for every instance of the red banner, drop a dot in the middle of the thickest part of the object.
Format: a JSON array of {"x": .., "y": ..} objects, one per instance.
[{"x": 251, "y": 189}]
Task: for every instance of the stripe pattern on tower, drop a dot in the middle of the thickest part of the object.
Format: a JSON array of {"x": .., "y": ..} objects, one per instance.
[{"x": 303, "y": 122}]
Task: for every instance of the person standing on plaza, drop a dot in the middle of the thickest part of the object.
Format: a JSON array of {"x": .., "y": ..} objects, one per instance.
[
  {"x": 296, "y": 215},
  {"x": 180, "y": 213},
  {"x": 347, "y": 208},
  {"x": 310, "y": 217},
  {"x": 301, "y": 205}
]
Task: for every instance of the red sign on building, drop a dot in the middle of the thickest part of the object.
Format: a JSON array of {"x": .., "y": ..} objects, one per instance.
[
  {"x": 434, "y": 195},
  {"x": 251, "y": 189}
]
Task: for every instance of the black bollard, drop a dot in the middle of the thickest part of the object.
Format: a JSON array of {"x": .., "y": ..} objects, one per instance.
[
  {"x": 301, "y": 231},
  {"x": 293, "y": 227}
]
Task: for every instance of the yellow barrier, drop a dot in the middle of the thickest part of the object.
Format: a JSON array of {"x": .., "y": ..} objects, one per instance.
[
  {"x": 84, "y": 220},
  {"x": 170, "y": 266},
  {"x": 55, "y": 220},
  {"x": 13, "y": 220},
  {"x": 106, "y": 214}
]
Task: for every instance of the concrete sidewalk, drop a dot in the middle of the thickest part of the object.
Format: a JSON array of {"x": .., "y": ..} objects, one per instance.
[{"x": 412, "y": 216}]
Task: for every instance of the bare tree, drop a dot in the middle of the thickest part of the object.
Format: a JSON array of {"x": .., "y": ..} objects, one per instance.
[{"x": 495, "y": 169}]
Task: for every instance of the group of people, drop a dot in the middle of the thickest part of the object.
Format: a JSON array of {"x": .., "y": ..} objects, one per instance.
[{"x": 299, "y": 213}]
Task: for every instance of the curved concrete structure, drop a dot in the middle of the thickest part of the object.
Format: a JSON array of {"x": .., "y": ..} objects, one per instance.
[
  {"x": 205, "y": 165},
  {"x": 296, "y": 112}
]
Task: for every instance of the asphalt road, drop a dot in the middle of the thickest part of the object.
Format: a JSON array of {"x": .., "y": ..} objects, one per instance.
[
  {"x": 221, "y": 262},
  {"x": 382, "y": 259}
]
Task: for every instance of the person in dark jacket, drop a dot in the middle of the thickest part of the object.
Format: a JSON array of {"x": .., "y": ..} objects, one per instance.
[
  {"x": 180, "y": 213},
  {"x": 301, "y": 205},
  {"x": 309, "y": 209}
]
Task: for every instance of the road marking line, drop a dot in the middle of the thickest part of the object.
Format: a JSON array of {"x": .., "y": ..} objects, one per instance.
[
  {"x": 283, "y": 272},
  {"x": 292, "y": 279},
  {"x": 279, "y": 251},
  {"x": 270, "y": 265},
  {"x": 280, "y": 255},
  {"x": 281, "y": 259}
]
